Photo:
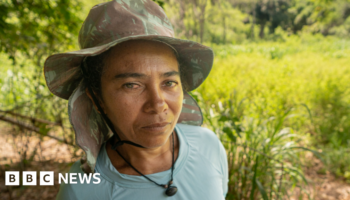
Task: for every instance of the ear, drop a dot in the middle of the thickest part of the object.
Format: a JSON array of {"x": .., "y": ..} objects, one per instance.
[{"x": 100, "y": 102}]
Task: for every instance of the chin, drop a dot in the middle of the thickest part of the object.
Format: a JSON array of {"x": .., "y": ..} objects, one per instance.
[
  {"x": 155, "y": 141},
  {"x": 152, "y": 138}
]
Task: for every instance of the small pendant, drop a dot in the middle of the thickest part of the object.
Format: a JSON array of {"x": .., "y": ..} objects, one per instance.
[{"x": 171, "y": 191}]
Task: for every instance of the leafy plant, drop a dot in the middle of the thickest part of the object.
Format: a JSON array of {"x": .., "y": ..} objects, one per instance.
[{"x": 263, "y": 154}]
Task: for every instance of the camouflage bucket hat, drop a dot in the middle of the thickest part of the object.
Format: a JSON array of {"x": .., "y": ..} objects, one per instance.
[{"x": 107, "y": 25}]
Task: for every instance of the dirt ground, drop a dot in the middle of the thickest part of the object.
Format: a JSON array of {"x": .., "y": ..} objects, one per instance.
[
  {"x": 51, "y": 155},
  {"x": 45, "y": 155},
  {"x": 322, "y": 185}
]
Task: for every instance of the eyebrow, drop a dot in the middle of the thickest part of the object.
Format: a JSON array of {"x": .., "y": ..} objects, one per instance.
[
  {"x": 129, "y": 75},
  {"x": 139, "y": 75},
  {"x": 171, "y": 73}
]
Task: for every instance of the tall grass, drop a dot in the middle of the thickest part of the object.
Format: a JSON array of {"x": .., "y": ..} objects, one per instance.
[
  {"x": 263, "y": 154},
  {"x": 287, "y": 96},
  {"x": 301, "y": 71}
]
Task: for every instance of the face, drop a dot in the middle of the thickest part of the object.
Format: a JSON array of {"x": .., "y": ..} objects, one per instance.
[{"x": 141, "y": 91}]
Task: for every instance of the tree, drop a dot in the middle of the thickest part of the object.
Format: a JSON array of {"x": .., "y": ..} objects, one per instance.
[
  {"x": 271, "y": 13},
  {"x": 322, "y": 16},
  {"x": 30, "y": 31},
  {"x": 214, "y": 21},
  {"x": 37, "y": 28}
]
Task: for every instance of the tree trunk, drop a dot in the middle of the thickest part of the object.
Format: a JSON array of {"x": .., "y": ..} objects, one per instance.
[
  {"x": 262, "y": 27},
  {"x": 223, "y": 21},
  {"x": 182, "y": 17},
  {"x": 202, "y": 21},
  {"x": 200, "y": 15},
  {"x": 195, "y": 18},
  {"x": 253, "y": 23},
  {"x": 252, "y": 34},
  {"x": 224, "y": 33},
  {"x": 201, "y": 25}
]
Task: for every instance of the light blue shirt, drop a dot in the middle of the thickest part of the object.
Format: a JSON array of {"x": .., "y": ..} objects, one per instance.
[{"x": 200, "y": 173}]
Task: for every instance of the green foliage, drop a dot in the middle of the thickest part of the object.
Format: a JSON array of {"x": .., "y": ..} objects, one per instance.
[
  {"x": 30, "y": 32},
  {"x": 232, "y": 21},
  {"x": 263, "y": 154},
  {"x": 207, "y": 21},
  {"x": 34, "y": 27},
  {"x": 159, "y": 2},
  {"x": 224, "y": 24},
  {"x": 308, "y": 73},
  {"x": 337, "y": 161},
  {"x": 268, "y": 13},
  {"x": 321, "y": 16}
]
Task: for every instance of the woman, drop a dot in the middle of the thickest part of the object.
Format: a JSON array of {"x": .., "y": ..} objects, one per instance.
[{"x": 129, "y": 106}]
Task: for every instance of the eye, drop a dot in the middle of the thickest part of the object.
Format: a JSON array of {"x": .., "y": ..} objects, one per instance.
[
  {"x": 131, "y": 85},
  {"x": 170, "y": 83}
]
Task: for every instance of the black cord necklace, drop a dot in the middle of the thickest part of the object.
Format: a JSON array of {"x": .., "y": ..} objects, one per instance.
[{"x": 170, "y": 190}]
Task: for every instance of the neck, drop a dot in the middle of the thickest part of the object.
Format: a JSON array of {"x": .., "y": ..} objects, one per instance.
[
  {"x": 146, "y": 160},
  {"x": 132, "y": 153}
]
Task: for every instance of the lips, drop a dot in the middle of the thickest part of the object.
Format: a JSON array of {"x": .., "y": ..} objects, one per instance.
[{"x": 156, "y": 125}]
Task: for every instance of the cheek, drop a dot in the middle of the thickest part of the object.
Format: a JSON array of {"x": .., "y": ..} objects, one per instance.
[
  {"x": 121, "y": 109},
  {"x": 175, "y": 103}
]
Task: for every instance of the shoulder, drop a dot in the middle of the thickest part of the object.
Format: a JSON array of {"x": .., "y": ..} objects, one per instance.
[
  {"x": 205, "y": 142},
  {"x": 76, "y": 167},
  {"x": 200, "y": 133},
  {"x": 199, "y": 137},
  {"x": 73, "y": 191},
  {"x": 67, "y": 190}
]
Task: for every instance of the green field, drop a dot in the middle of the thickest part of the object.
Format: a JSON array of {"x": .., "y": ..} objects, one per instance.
[
  {"x": 278, "y": 98},
  {"x": 308, "y": 74}
]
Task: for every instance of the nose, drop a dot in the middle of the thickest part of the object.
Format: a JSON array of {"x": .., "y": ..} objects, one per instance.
[{"x": 155, "y": 103}]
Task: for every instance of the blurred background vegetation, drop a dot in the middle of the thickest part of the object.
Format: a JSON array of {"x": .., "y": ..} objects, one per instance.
[{"x": 278, "y": 91}]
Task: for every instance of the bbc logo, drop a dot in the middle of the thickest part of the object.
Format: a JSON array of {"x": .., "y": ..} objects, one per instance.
[
  {"x": 47, "y": 178},
  {"x": 29, "y": 178}
]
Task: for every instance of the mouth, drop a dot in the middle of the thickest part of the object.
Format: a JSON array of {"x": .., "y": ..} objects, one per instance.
[{"x": 156, "y": 126}]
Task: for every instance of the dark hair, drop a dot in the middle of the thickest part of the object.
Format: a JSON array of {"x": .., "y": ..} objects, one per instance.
[{"x": 94, "y": 66}]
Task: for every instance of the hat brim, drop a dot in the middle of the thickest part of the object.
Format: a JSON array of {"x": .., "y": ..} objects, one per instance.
[
  {"x": 63, "y": 74},
  {"x": 91, "y": 131}
]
